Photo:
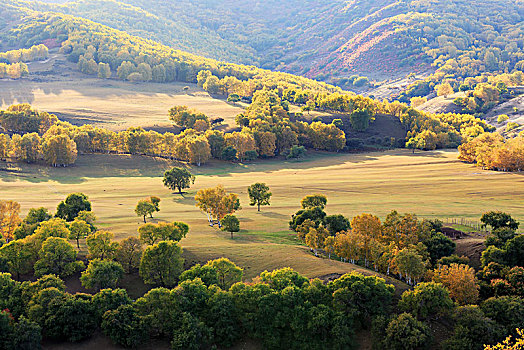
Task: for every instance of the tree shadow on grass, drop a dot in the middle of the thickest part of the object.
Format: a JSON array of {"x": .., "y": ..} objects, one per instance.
[{"x": 273, "y": 215}]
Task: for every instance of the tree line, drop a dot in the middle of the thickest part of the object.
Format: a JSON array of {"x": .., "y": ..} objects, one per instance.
[
  {"x": 58, "y": 143},
  {"x": 12, "y": 63},
  {"x": 494, "y": 152}
]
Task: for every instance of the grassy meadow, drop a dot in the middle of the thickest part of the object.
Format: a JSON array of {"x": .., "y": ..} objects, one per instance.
[{"x": 431, "y": 184}]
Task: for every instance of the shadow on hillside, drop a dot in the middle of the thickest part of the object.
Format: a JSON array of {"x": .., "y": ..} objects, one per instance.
[{"x": 122, "y": 166}]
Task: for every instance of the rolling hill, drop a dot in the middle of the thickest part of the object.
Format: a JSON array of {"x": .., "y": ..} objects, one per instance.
[{"x": 331, "y": 40}]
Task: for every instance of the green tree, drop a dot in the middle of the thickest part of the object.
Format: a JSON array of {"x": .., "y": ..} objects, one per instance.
[
  {"x": 438, "y": 246},
  {"x": 228, "y": 273},
  {"x": 79, "y": 229},
  {"x": 313, "y": 201},
  {"x": 58, "y": 257},
  {"x": 27, "y": 335},
  {"x": 280, "y": 279},
  {"x": 506, "y": 311},
  {"x": 316, "y": 215},
  {"x": 230, "y": 223},
  {"x": 296, "y": 152},
  {"x": 259, "y": 194},
  {"x": 128, "y": 253},
  {"x": 427, "y": 300},
  {"x": 160, "y": 309},
  {"x": 406, "y": 333},
  {"x": 161, "y": 264},
  {"x": 178, "y": 178},
  {"x": 101, "y": 274},
  {"x": 360, "y": 119},
  {"x": 125, "y": 327},
  {"x": 336, "y": 223},
  {"x": 18, "y": 257},
  {"x": 152, "y": 233},
  {"x": 104, "y": 70},
  {"x": 55, "y": 227},
  {"x": 472, "y": 329},
  {"x": 192, "y": 334},
  {"x": 145, "y": 208},
  {"x": 212, "y": 85},
  {"x": 109, "y": 299},
  {"x": 207, "y": 274},
  {"x": 72, "y": 205},
  {"x": 37, "y": 215},
  {"x": 498, "y": 219},
  {"x": 100, "y": 245}
]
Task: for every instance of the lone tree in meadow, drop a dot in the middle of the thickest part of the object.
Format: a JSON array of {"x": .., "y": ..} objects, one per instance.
[
  {"x": 145, "y": 208},
  {"x": 230, "y": 223},
  {"x": 259, "y": 194},
  {"x": 178, "y": 178}
]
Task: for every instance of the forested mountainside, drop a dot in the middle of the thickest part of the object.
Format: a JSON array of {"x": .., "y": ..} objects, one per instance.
[
  {"x": 330, "y": 40},
  {"x": 78, "y": 37}
]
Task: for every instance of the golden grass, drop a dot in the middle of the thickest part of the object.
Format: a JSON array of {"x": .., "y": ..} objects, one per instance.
[
  {"x": 431, "y": 184},
  {"x": 112, "y": 104}
]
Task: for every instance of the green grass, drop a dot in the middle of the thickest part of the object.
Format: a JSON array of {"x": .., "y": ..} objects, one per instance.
[{"x": 431, "y": 184}]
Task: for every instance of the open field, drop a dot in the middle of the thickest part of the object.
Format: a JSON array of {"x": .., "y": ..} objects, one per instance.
[
  {"x": 57, "y": 87},
  {"x": 431, "y": 184},
  {"x": 112, "y": 104}
]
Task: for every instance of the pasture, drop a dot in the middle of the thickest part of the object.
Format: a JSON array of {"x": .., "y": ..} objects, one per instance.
[
  {"x": 430, "y": 184},
  {"x": 111, "y": 104}
]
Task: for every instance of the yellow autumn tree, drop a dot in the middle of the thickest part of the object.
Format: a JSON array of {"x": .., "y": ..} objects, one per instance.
[
  {"x": 217, "y": 203},
  {"x": 460, "y": 281},
  {"x": 9, "y": 218}
]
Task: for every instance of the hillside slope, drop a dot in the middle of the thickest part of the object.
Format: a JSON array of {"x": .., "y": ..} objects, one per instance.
[{"x": 331, "y": 40}]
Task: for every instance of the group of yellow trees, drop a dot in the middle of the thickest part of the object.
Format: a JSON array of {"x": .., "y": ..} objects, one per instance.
[
  {"x": 12, "y": 63},
  {"x": 494, "y": 152},
  {"x": 402, "y": 245},
  {"x": 39, "y": 134}
]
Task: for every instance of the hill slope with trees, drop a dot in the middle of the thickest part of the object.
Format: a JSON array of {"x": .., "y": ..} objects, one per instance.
[{"x": 332, "y": 40}]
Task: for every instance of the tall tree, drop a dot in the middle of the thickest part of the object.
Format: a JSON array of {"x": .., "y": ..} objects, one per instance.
[
  {"x": 314, "y": 200},
  {"x": 59, "y": 150},
  {"x": 217, "y": 203},
  {"x": 230, "y": 223},
  {"x": 100, "y": 245},
  {"x": 228, "y": 273},
  {"x": 18, "y": 256},
  {"x": 57, "y": 257},
  {"x": 460, "y": 281},
  {"x": 9, "y": 218},
  {"x": 153, "y": 233},
  {"x": 498, "y": 219},
  {"x": 161, "y": 264},
  {"x": 69, "y": 208},
  {"x": 128, "y": 253},
  {"x": 101, "y": 274},
  {"x": 79, "y": 229},
  {"x": 144, "y": 208},
  {"x": 178, "y": 178},
  {"x": 259, "y": 194}
]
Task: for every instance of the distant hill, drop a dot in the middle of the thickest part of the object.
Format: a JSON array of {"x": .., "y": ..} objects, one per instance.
[{"x": 330, "y": 40}]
